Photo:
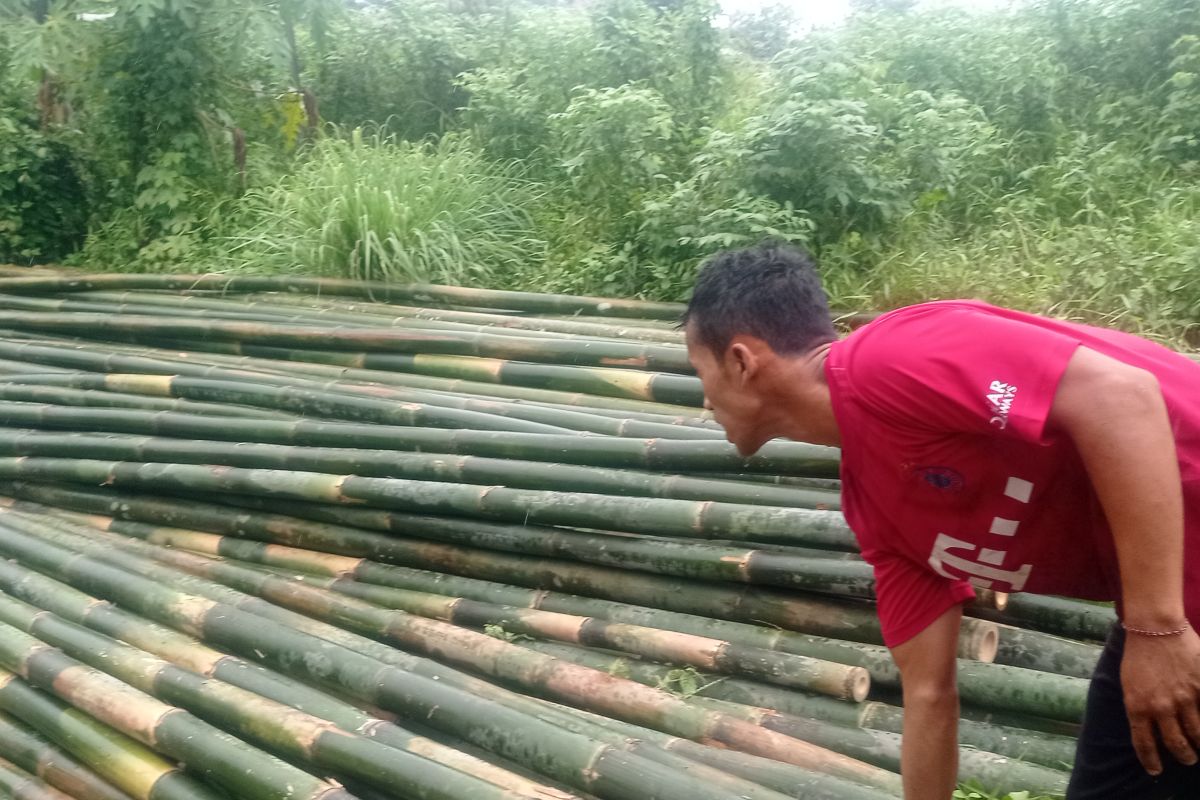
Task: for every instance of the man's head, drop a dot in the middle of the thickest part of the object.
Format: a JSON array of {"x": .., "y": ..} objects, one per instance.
[{"x": 754, "y": 313}]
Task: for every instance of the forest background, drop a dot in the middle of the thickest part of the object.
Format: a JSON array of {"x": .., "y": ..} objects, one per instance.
[{"x": 1045, "y": 155}]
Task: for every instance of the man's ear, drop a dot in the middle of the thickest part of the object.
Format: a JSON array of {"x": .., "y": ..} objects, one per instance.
[{"x": 743, "y": 361}]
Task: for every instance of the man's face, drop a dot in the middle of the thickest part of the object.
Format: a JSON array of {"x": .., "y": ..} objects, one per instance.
[{"x": 730, "y": 392}]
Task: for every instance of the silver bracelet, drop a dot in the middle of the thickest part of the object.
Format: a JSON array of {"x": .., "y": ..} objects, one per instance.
[{"x": 1143, "y": 632}]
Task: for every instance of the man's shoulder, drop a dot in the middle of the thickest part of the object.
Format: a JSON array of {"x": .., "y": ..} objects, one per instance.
[
  {"x": 933, "y": 309},
  {"x": 910, "y": 327}
]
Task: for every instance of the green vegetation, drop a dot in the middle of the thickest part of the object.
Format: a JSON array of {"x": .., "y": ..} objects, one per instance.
[
  {"x": 1046, "y": 156},
  {"x": 380, "y": 209}
]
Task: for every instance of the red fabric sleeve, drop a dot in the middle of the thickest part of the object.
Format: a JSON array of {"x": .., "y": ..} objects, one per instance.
[
  {"x": 962, "y": 368},
  {"x": 911, "y": 596}
]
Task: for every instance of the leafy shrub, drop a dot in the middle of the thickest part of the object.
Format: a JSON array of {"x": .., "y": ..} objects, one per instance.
[
  {"x": 613, "y": 145},
  {"x": 43, "y": 205},
  {"x": 376, "y": 208},
  {"x": 857, "y": 153}
]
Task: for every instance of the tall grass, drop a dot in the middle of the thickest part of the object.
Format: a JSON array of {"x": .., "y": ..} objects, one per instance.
[
  {"x": 1136, "y": 270},
  {"x": 373, "y": 207}
]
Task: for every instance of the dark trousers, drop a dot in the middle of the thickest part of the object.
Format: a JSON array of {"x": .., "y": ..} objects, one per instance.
[{"x": 1106, "y": 767}]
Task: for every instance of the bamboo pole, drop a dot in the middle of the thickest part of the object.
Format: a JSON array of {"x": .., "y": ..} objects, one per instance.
[
  {"x": 71, "y": 353},
  {"x": 686, "y": 518},
  {"x": 1056, "y": 615},
  {"x": 38, "y": 756},
  {"x": 781, "y": 777},
  {"x": 374, "y": 290},
  {"x": 1001, "y": 687},
  {"x": 127, "y": 764},
  {"x": 609, "y": 328},
  {"x": 660, "y": 455},
  {"x": 299, "y": 393},
  {"x": 243, "y": 770},
  {"x": 1050, "y": 750},
  {"x": 45, "y": 393},
  {"x": 20, "y": 785},
  {"x": 476, "y": 716},
  {"x": 550, "y": 580},
  {"x": 299, "y": 399},
  {"x": 514, "y": 473},
  {"x": 705, "y": 652},
  {"x": 1042, "y": 651},
  {"x": 149, "y": 327},
  {"x": 288, "y": 733},
  {"x": 189, "y": 653}
]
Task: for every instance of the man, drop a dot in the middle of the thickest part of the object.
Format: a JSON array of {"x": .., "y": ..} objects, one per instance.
[{"x": 989, "y": 447}]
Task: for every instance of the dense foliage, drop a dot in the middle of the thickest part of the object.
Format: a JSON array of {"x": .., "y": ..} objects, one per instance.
[{"x": 1046, "y": 155}]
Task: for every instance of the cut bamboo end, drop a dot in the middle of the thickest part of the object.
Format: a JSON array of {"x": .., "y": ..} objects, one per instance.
[
  {"x": 858, "y": 684},
  {"x": 986, "y": 598},
  {"x": 979, "y": 640}
]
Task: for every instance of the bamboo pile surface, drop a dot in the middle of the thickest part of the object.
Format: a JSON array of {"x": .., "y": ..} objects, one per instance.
[{"x": 272, "y": 538}]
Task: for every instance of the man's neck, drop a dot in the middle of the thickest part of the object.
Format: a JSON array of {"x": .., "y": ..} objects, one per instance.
[{"x": 802, "y": 394}]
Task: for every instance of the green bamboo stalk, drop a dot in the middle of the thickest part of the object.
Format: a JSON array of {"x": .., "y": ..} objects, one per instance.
[
  {"x": 140, "y": 306},
  {"x": 1002, "y": 687},
  {"x": 147, "y": 327},
  {"x": 548, "y": 579},
  {"x": 610, "y": 328},
  {"x": 832, "y": 485},
  {"x": 375, "y": 290},
  {"x": 159, "y": 361},
  {"x": 663, "y": 455},
  {"x": 687, "y": 518},
  {"x": 732, "y": 689},
  {"x": 1049, "y": 750},
  {"x": 659, "y": 387},
  {"x": 37, "y": 756},
  {"x": 45, "y": 392},
  {"x": 704, "y": 652},
  {"x": 793, "y": 567},
  {"x": 581, "y": 686},
  {"x": 781, "y": 777},
  {"x": 603, "y": 381},
  {"x": 344, "y": 613},
  {"x": 1060, "y": 616},
  {"x": 187, "y": 652},
  {"x": 1042, "y": 651},
  {"x": 224, "y": 759},
  {"x": 690, "y": 421},
  {"x": 982, "y": 687},
  {"x": 1021, "y": 721},
  {"x": 664, "y": 556},
  {"x": 127, "y": 764},
  {"x": 20, "y": 785},
  {"x": 297, "y": 736},
  {"x": 386, "y": 677},
  {"x": 196, "y": 307},
  {"x": 225, "y": 391},
  {"x": 370, "y": 315},
  {"x": 882, "y": 748},
  {"x": 299, "y": 399}
]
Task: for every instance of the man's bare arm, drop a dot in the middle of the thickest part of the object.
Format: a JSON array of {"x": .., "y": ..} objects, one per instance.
[
  {"x": 929, "y": 756},
  {"x": 1117, "y": 418}
]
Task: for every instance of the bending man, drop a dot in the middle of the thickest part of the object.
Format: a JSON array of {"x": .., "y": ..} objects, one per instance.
[{"x": 987, "y": 447}]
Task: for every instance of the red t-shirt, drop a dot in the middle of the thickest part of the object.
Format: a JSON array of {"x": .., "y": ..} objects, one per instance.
[{"x": 949, "y": 476}]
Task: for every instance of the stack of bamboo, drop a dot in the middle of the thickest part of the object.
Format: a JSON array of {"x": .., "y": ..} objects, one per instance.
[{"x": 269, "y": 538}]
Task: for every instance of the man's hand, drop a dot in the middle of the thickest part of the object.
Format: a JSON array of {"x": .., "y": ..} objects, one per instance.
[{"x": 1161, "y": 679}]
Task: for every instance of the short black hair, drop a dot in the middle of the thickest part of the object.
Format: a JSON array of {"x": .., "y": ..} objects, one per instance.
[{"x": 771, "y": 291}]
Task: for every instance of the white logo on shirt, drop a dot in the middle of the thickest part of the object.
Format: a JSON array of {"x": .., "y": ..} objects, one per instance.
[
  {"x": 979, "y": 574},
  {"x": 986, "y": 566},
  {"x": 1000, "y": 398}
]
